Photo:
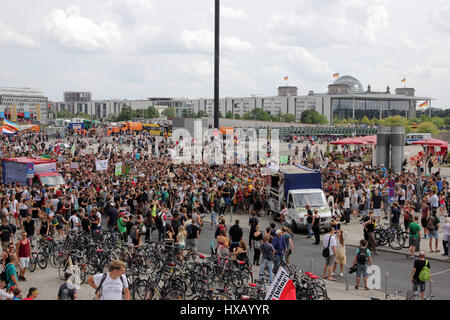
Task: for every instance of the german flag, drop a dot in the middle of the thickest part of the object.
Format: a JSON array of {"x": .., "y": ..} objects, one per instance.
[
  {"x": 404, "y": 80},
  {"x": 336, "y": 75},
  {"x": 286, "y": 78},
  {"x": 425, "y": 104}
]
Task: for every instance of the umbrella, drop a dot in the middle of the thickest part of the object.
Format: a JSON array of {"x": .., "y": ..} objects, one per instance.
[{"x": 348, "y": 141}]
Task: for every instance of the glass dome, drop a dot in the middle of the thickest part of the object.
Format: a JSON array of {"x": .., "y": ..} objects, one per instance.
[{"x": 354, "y": 84}]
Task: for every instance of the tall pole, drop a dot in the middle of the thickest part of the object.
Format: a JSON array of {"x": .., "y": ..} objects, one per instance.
[{"x": 216, "y": 63}]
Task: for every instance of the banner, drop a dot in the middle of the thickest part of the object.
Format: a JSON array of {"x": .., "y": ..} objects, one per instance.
[
  {"x": 282, "y": 287},
  {"x": 72, "y": 150},
  {"x": 101, "y": 165},
  {"x": 74, "y": 165},
  {"x": 284, "y": 159},
  {"x": 118, "y": 169}
]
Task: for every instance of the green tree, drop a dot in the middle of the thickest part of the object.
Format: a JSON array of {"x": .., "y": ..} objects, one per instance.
[
  {"x": 396, "y": 121},
  {"x": 237, "y": 116},
  {"x": 151, "y": 112},
  {"x": 202, "y": 114},
  {"x": 169, "y": 112},
  {"x": 447, "y": 121},
  {"x": 313, "y": 117},
  {"x": 185, "y": 113},
  {"x": 247, "y": 116},
  {"x": 287, "y": 117},
  {"x": 83, "y": 115},
  {"x": 63, "y": 114},
  {"x": 229, "y": 115},
  {"x": 427, "y": 127},
  {"x": 438, "y": 122},
  {"x": 260, "y": 114},
  {"x": 365, "y": 121},
  {"x": 126, "y": 114},
  {"x": 112, "y": 117},
  {"x": 275, "y": 118}
]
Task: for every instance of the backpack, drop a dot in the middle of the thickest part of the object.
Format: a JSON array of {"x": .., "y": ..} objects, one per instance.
[
  {"x": 100, "y": 286},
  {"x": 158, "y": 221},
  {"x": 425, "y": 273},
  {"x": 362, "y": 256},
  {"x": 13, "y": 229},
  {"x": 430, "y": 224},
  {"x": 189, "y": 230},
  {"x": 142, "y": 228},
  {"x": 326, "y": 251}
]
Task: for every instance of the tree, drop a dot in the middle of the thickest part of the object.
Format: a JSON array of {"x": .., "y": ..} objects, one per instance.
[
  {"x": 260, "y": 114},
  {"x": 169, "y": 112},
  {"x": 202, "y": 114},
  {"x": 229, "y": 115},
  {"x": 237, "y": 116},
  {"x": 82, "y": 115},
  {"x": 126, "y": 114},
  {"x": 220, "y": 114},
  {"x": 313, "y": 117},
  {"x": 112, "y": 117},
  {"x": 427, "y": 127},
  {"x": 365, "y": 121},
  {"x": 185, "y": 114},
  {"x": 275, "y": 118},
  {"x": 64, "y": 114},
  {"x": 438, "y": 122},
  {"x": 287, "y": 117},
  {"x": 247, "y": 116},
  {"x": 396, "y": 121},
  {"x": 151, "y": 112}
]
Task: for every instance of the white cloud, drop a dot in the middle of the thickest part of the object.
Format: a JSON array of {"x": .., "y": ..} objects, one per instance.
[
  {"x": 229, "y": 12},
  {"x": 340, "y": 22},
  {"x": 8, "y": 36},
  {"x": 132, "y": 11},
  {"x": 441, "y": 19},
  {"x": 71, "y": 30},
  {"x": 202, "y": 40}
]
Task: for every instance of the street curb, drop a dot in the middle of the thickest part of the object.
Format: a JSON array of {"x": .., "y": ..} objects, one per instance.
[{"x": 400, "y": 252}]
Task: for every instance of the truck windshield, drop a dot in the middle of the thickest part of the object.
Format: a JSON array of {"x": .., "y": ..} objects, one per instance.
[
  {"x": 313, "y": 199},
  {"x": 52, "y": 180}
]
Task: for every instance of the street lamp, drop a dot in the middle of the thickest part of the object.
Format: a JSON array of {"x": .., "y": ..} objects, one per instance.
[{"x": 216, "y": 63}]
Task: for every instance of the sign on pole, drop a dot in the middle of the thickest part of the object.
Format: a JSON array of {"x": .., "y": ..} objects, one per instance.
[
  {"x": 391, "y": 183},
  {"x": 118, "y": 169},
  {"x": 282, "y": 287},
  {"x": 101, "y": 165},
  {"x": 391, "y": 195}
]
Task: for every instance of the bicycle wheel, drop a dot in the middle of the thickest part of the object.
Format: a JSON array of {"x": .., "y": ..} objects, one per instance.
[
  {"x": 32, "y": 264},
  {"x": 42, "y": 261},
  {"x": 62, "y": 268},
  {"x": 54, "y": 259},
  {"x": 174, "y": 293},
  {"x": 396, "y": 241},
  {"x": 406, "y": 236}
]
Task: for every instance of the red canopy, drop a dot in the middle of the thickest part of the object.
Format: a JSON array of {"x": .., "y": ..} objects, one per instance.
[
  {"x": 348, "y": 141},
  {"x": 368, "y": 139},
  {"x": 432, "y": 142}
]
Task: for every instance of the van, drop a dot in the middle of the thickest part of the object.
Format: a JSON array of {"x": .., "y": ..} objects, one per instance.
[{"x": 411, "y": 137}]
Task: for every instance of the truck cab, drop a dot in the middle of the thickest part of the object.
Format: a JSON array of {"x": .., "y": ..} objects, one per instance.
[
  {"x": 296, "y": 186},
  {"x": 297, "y": 201}
]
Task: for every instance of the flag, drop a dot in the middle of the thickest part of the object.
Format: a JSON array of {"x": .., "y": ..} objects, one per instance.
[
  {"x": 282, "y": 287},
  {"x": 44, "y": 156},
  {"x": 57, "y": 149},
  {"x": 425, "y": 104},
  {"x": 336, "y": 75},
  {"x": 101, "y": 165},
  {"x": 286, "y": 78},
  {"x": 404, "y": 80},
  {"x": 10, "y": 127}
]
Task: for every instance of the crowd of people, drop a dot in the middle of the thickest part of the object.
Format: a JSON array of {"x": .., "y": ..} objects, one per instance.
[{"x": 154, "y": 195}]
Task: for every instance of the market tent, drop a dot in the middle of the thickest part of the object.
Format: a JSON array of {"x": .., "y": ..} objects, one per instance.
[
  {"x": 433, "y": 143},
  {"x": 368, "y": 139},
  {"x": 348, "y": 141}
]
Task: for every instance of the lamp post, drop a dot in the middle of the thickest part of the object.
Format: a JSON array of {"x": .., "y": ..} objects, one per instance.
[{"x": 216, "y": 63}]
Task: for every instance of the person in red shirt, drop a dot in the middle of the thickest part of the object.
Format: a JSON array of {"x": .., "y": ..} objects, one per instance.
[
  {"x": 33, "y": 293},
  {"x": 24, "y": 254}
]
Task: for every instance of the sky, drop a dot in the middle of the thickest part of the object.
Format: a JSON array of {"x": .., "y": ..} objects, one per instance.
[{"x": 137, "y": 49}]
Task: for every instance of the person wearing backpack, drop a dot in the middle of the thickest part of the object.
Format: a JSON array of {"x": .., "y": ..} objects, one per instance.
[
  {"x": 433, "y": 228},
  {"x": 111, "y": 285},
  {"x": 421, "y": 274},
  {"x": 160, "y": 224},
  {"x": 329, "y": 253},
  {"x": 362, "y": 260},
  {"x": 11, "y": 272}
]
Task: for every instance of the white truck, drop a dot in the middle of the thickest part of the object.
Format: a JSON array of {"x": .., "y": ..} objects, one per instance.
[{"x": 297, "y": 186}]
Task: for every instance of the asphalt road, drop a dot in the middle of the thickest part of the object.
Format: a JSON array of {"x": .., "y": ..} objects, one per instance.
[{"x": 305, "y": 253}]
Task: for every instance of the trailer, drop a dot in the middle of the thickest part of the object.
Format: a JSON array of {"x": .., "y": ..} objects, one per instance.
[{"x": 31, "y": 171}]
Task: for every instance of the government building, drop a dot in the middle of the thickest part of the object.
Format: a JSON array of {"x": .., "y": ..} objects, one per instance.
[{"x": 344, "y": 99}]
